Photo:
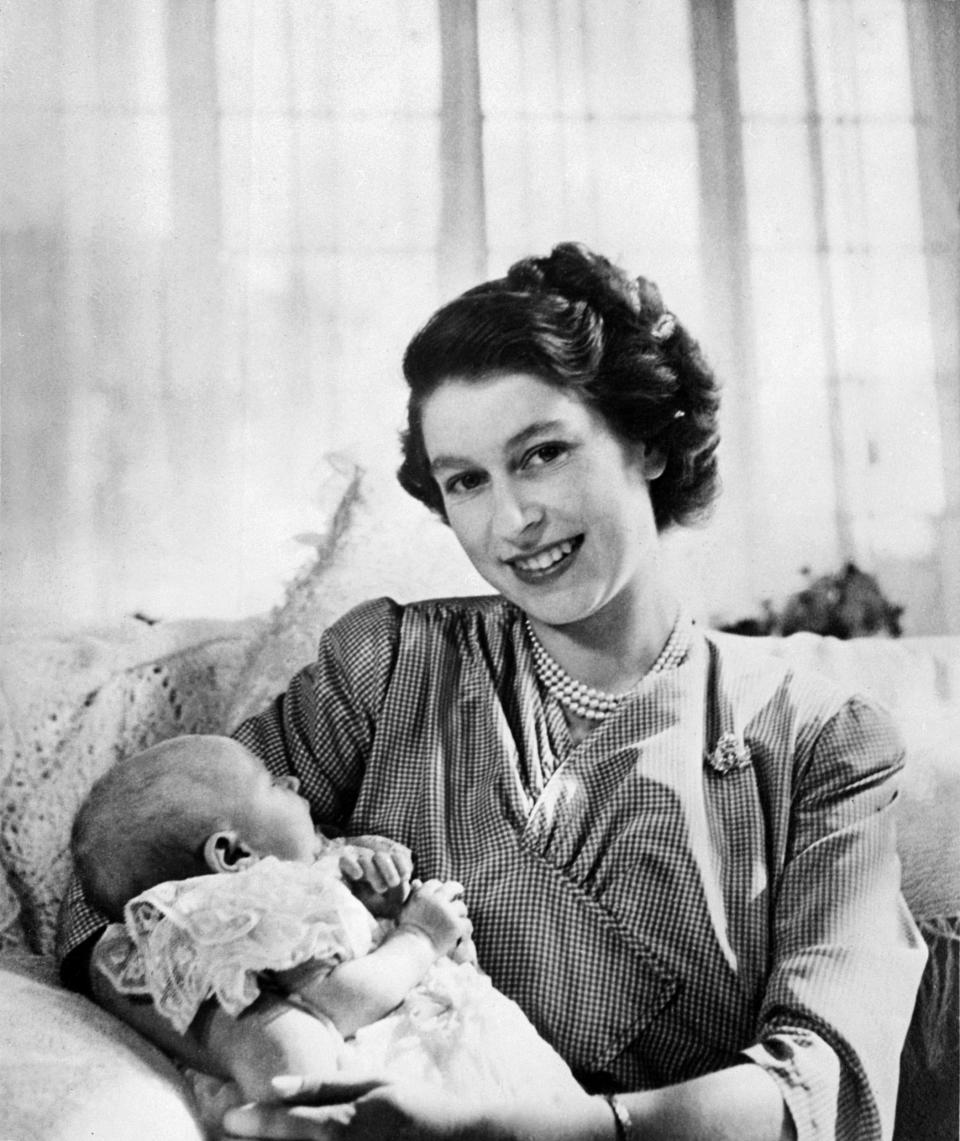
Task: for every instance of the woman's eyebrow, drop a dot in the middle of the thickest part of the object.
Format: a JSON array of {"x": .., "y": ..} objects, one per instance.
[
  {"x": 538, "y": 428},
  {"x": 442, "y": 462}
]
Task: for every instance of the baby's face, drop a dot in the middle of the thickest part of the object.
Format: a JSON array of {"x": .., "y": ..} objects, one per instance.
[{"x": 275, "y": 820}]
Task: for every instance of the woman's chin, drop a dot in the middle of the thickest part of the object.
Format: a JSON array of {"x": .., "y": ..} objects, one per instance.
[{"x": 556, "y": 608}]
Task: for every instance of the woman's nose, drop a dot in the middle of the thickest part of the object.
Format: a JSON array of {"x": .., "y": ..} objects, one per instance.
[
  {"x": 290, "y": 782},
  {"x": 514, "y": 513}
]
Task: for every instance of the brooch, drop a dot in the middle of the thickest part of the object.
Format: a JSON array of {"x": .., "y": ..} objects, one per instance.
[{"x": 731, "y": 753}]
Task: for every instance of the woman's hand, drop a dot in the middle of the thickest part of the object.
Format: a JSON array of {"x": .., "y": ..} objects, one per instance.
[
  {"x": 366, "y": 1110},
  {"x": 373, "y": 1109}
]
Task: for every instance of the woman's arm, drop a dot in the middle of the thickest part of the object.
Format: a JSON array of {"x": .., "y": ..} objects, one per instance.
[
  {"x": 738, "y": 1104},
  {"x": 742, "y": 1103},
  {"x": 847, "y": 956},
  {"x": 320, "y": 729}
]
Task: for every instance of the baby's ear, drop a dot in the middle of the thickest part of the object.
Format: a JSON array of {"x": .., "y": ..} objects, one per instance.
[{"x": 226, "y": 852}]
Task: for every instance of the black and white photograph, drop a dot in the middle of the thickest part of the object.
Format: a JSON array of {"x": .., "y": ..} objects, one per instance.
[{"x": 480, "y": 570}]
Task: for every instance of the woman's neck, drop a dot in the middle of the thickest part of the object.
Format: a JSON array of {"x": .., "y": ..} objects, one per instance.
[{"x": 614, "y": 648}]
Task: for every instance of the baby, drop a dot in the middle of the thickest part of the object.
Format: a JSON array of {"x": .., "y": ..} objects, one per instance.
[
  {"x": 155, "y": 827},
  {"x": 400, "y": 994}
]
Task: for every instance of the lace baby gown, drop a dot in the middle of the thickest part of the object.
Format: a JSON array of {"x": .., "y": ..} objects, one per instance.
[{"x": 218, "y": 936}]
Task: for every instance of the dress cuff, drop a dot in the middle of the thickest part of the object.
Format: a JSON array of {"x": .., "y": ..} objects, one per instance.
[{"x": 807, "y": 1070}]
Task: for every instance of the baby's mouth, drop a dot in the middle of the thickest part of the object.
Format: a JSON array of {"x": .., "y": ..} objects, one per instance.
[{"x": 548, "y": 559}]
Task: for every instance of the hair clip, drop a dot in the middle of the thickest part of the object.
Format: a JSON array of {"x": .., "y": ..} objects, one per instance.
[
  {"x": 730, "y": 754},
  {"x": 664, "y": 327}
]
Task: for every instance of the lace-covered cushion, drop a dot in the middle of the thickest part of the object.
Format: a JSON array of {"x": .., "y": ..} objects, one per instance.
[{"x": 70, "y": 708}]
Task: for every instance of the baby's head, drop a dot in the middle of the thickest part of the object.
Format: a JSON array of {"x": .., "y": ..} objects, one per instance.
[{"x": 182, "y": 808}]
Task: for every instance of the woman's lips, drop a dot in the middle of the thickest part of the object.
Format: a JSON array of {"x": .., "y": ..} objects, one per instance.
[{"x": 546, "y": 562}]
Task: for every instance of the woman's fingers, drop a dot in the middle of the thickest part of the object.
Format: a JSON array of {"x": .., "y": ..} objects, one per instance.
[
  {"x": 313, "y": 1111},
  {"x": 303, "y": 1091},
  {"x": 288, "y": 1122}
]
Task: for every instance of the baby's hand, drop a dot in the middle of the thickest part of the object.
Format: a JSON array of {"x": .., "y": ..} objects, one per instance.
[
  {"x": 437, "y": 911},
  {"x": 378, "y": 877}
]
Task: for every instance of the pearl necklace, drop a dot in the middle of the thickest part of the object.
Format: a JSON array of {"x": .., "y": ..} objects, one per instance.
[{"x": 584, "y": 700}]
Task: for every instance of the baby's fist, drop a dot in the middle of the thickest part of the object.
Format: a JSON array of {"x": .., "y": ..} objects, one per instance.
[{"x": 437, "y": 911}]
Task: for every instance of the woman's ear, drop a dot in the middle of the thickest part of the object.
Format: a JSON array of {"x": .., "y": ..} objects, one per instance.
[
  {"x": 654, "y": 461},
  {"x": 226, "y": 852}
]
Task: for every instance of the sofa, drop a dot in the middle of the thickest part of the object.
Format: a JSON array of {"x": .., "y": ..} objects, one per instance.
[{"x": 72, "y": 704}]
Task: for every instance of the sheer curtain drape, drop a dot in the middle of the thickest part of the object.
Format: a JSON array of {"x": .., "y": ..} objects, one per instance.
[
  {"x": 788, "y": 173},
  {"x": 220, "y": 228},
  {"x": 222, "y": 220}
]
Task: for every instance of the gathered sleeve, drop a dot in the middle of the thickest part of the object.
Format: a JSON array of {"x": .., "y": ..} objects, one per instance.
[
  {"x": 847, "y": 957},
  {"x": 321, "y": 728}
]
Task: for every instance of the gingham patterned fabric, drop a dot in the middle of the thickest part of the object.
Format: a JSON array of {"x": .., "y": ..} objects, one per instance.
[{"x": 657, "y": 916}]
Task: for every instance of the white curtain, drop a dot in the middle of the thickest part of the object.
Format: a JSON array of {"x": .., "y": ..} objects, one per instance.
[
  {"x": 761, "y": 161},
  {"x": 220, "y": 230},
  {"x": 222, "y": 220}
]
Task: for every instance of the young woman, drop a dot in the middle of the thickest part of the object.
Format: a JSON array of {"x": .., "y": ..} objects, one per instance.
[{"x": 679, "y": 854}]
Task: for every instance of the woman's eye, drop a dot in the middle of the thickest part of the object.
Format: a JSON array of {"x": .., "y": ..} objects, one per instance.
[
  {"x": 545, "y": 454},
  {"x": 465, "y": 481}
]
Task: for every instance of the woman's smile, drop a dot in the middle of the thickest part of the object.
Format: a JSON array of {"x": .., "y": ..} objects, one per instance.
[{"x": 546, "y": 562}]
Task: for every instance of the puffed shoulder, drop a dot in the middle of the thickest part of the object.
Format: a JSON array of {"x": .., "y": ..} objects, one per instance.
[
  {"x": 366, "y": 641},
  {"x": 859, "y": 748},
  {"x": 377, "y": 618},
  {"x": 831, "y": 735}
]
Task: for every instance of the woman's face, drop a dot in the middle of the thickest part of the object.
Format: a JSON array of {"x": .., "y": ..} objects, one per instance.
[{"x": 549, "y": 506}]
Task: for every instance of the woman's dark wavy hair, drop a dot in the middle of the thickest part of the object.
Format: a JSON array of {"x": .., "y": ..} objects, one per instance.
[{"x": 578, "y": 322}]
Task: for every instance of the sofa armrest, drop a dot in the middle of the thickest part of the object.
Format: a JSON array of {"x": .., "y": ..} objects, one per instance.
[{"x": 71, "y": 1070}]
